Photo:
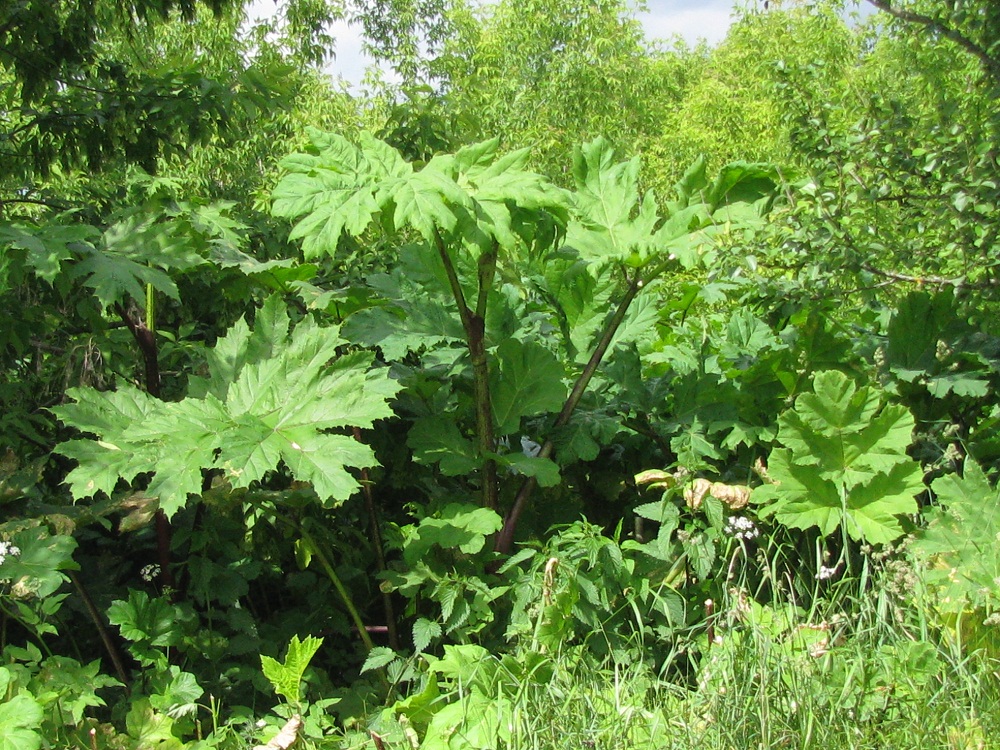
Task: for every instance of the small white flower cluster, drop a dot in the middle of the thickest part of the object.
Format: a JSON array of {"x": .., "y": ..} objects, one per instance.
[
  {"x": 8, "y": 550},
  {"x": 741, "y": 527},
  {"x": 149, "y": 573},
  {"x": 826, "y": 573}
]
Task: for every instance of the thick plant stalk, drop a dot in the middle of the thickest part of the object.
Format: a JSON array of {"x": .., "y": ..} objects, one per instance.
[
  {"x": 102, "y": 631},
  {"x": 345, "y": 596},
  {"x": 144, "y": 332},
  {"x": 390, "y": 615},
  {"x": 474, "y": 324},
  {"x": 505, "y": 539}
]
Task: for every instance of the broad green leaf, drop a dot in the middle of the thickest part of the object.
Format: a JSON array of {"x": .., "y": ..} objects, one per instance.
[
  {"x": 286, "y": 676},
  {"x": 20, "y": 716},
  {"x": 574, "y": 442},
  {"x": 113, "y": 278},
  {"x": 332, "y": 190},
  {"x": 175, "y": 692},
  {"x": 610, "y": 222},
  {"x": 959, "y": 544},
  {"x": 271, "y": 397},
  {"x": 153, "y": 239},
  {"x": 544, "y": 470},
  {"x": 425, "y": 200},
  {"x": 456, "y": 526},
  {"x": 149, "y": 728},
  {"x": 49, "y": 245},
  {"x": 527, "y": 379},
  {"x": 147, "y": 622},
  {"x": 844, "y": 463},
  {"x": 438, "y": 440},
  {"x": 413, "y": 325},
  {"x": 37, "y": 569}
]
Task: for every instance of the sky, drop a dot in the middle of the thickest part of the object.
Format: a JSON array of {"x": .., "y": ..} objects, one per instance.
[{"x": 692, "y": 19}]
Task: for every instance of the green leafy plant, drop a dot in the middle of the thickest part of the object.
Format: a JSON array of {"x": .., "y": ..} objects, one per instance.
[
  {"x": 842, "y": 463},
  {"x": 20, "y": 716},
  {"x": 269, "y": 397},
  {"x": 957, "y": 551}
]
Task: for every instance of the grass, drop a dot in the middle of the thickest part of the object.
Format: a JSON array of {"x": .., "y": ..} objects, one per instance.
[{"x": 860, "y": 668}]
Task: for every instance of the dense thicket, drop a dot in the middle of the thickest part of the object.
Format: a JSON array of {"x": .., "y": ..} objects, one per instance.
[{"x": 564, "y": 353}]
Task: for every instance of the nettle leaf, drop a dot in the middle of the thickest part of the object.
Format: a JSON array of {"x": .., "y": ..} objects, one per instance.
[
  {"x": 959, "y": 545},
  {"x": 843, "y": 462},
  {"x": 424, "y": 632},
  {"x": 526, "y": 380},
  {"x": 378, "y": 657},
  {"x": 271, "y": 397}
]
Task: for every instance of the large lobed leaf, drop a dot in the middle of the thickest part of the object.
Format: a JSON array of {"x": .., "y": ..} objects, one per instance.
[
  {"x": 959, "y": 545},
  {"x": 270, "y": 398},
  {"x": 843, "y": 462},
  {"x": 340, "y": 188}
]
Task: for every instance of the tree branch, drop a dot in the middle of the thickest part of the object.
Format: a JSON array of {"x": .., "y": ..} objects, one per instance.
[
  {"x": 959, "y": 282},
  {"x": 991, "y": 64}
]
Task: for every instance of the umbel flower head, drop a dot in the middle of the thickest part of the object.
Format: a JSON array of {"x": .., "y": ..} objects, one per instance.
[{"x": 741, "y": 527}]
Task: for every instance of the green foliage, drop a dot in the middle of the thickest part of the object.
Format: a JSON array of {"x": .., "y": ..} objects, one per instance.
[
  {"x": 552, "y": 335},
  {"x": 36, "y": 571},
  {"x": 152, "y": 625},
  {"x": 269, "y": 397},
  {"x": 20, "y": 718},
  {"x": 959, "y": 545},
  {"x": 286, "y": 676},
  {"x": 527, "y": 380},
  {"x": 842, "y": 463},
  {"x": 443, "y": 562},
  {"x": 339, "y": 187},
  {"x": 929, "y": 344}
]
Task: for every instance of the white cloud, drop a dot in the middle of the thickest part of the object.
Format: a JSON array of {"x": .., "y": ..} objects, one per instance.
[
  {"x": 693, "y": 20},
  {"x": 710, "y": 24}
]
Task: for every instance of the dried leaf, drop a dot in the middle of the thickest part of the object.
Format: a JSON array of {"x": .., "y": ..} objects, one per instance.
[
  {"x": 734, "y": 496},
  {"x": 656, "y": 478},
  {"x": 695, "y": 492},
  {"x": 286, "y": 737}
]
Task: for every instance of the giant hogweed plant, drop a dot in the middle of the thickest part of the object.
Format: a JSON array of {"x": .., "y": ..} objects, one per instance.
[
  {"x": 510, "y": 282},
  {"x": 842, "y": 463}
]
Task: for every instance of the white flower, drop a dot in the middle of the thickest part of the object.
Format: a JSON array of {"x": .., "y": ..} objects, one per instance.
[
  {"x": 149, "y": 572},
  {"x": 825, "y": 572},
  {"x": 8, "y": 550},
  {"x": 741, "y": 527}
]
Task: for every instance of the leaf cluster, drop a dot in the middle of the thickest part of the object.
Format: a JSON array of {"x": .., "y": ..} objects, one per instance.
[{"x": 269, "y": 397}]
